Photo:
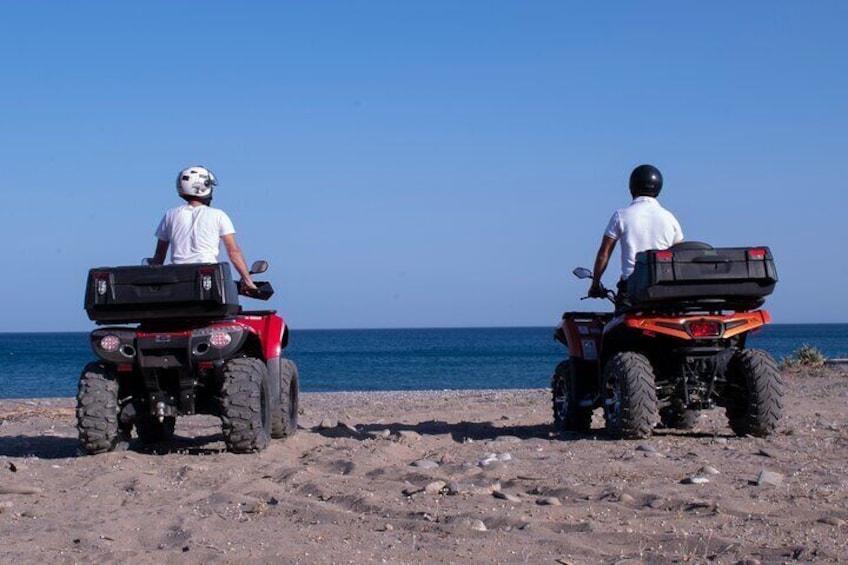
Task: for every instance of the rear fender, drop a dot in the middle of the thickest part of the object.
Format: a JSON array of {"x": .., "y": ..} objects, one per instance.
[
  {"x": 582, "y": 333},
  {"x": 270, "y": 330}
]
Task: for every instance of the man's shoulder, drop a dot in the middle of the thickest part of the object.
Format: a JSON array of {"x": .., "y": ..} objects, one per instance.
[
  {"x": 222, "y": 218},
  {"x": 176, "y": 209},
  {"x": 214, "y": 212}
]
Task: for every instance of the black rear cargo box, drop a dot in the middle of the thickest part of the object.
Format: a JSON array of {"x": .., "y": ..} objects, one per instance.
[
  {"x": 141, "y": 293},
  {"x": 739, "y": 276}
]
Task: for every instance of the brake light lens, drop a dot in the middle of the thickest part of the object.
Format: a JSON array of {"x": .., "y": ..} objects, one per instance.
[
  {"x": 110, "y": 343},
  {"x": 756, "y": 254},
  {"x": 101, "y": 282},
  {"x": 704, "y": 328},
  {"x": 220, "y": 340},
  {"x": 206, "y": 278},
  {"x": 664, "y": 255}
]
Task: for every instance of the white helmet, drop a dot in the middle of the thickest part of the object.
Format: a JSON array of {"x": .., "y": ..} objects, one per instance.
[{"x": 196, "y": 182}]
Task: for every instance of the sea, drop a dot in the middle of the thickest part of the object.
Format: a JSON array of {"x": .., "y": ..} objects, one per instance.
[{"x": 44, "y": 365}]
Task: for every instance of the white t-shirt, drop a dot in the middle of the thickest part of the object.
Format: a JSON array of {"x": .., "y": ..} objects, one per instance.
[
  {"x": 194, "y": 233},
  {"x": 641, "y": 226}
]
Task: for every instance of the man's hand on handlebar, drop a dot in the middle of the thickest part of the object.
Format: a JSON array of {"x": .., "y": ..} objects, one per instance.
[
  {"x": 597, "y": 291},
  {"x": 248, "y": 288}
]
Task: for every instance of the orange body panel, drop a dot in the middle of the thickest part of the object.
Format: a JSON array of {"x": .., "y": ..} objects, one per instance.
[{"x": 731, "y": 324}]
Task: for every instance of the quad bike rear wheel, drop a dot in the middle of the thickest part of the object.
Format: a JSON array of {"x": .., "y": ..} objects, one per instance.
[
  {"x": 630, "y": 404},
  {"x": 246, "y": 405},
  {"x": 569, "y": 416},
  {"x": 97, "y": 409},
  {"x": 754, "y": 398}
]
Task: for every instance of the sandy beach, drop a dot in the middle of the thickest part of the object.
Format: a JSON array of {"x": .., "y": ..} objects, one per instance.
[{"x": 433, "y": 477}]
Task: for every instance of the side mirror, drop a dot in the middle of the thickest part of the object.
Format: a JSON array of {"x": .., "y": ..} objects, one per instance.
[
  {"x": 147, "y": 261},
  {"x": 258, "y": 267},
  {"x": 582, "y": 273}
]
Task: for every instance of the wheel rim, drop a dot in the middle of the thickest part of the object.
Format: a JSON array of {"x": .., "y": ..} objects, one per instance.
[
  {"x": 560, "y": 400},
  {"x": 612, "y": 404}
]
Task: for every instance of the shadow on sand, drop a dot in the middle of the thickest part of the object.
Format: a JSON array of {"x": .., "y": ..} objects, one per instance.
[
  {"x": 481, "y": 431},
  {"x": 47, "y": 447},
  {"x": 460, "y": 432}
]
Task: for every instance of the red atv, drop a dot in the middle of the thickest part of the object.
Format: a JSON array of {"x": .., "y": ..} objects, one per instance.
[
  {"x": 192, "y": 349},
  {"x": 676, "y": 349}
]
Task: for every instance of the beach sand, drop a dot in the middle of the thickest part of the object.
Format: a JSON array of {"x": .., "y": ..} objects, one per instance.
[{"x": 433, "y": 477}]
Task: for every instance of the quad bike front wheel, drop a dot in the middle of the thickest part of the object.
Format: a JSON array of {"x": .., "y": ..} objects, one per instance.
[
  {"x": 285, "y": 407},
  {"x": 289, "y": 398},
  {"x": 246, "y": 405},
  {"x": 754, "y": 397},
  {"x": 630, "y": 403},
  {"x": 97, "y": 409},
  {"x": 569, "y": 416}
]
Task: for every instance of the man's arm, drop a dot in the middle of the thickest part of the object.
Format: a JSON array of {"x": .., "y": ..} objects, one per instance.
[
  {"x": 237, "y": 259},
  {"x": 601, "y": 261},
  {"x": 160, "y": 253}
]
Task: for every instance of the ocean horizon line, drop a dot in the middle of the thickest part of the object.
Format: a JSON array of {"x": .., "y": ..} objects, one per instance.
[{"x": 387, "y": 328}]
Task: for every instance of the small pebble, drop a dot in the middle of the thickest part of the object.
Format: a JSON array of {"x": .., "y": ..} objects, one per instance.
[
  {"x": 328, "y": 423},
  {"x": 506, "y": 496},
  {"x": 425, "y": 464},
  {"x": 435, "y": 487},
  {"x": 477, "y": 525},
  {"x": 548, "y": 501},
  {"x": 769, "y": 478}
]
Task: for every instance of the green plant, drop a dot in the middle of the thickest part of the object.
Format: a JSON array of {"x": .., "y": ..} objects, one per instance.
[{"x": 804, "y": 356}]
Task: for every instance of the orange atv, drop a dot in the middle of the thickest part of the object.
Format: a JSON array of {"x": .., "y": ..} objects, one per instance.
[{"x": 678, "y": 347}]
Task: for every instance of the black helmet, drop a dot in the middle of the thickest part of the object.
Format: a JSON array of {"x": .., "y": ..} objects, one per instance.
[{"x": 645, "y": 180}]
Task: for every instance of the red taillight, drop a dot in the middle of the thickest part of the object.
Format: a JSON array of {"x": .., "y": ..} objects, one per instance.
[
  {"x": 756, "y": 254},
  {"x": 704, "y": 328},
  {"x": 664, "y": 255},
  {"x": 110, "y": 343},
  {"x": 206, "y": 274},
  {"x": 101, "y": 281},
  {"x": 220, "y": 340}
]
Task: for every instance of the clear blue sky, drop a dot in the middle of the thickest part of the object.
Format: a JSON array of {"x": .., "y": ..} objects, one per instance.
[{"x": 406, "y": 164}]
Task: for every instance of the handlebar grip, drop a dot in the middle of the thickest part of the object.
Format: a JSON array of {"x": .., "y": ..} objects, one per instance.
[{"x": 263, "y": 290}]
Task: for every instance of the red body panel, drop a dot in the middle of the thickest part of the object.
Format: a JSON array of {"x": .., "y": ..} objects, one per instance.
[
  {"x": 269, "y": 328},
  {"x": 583, "y": 334}
]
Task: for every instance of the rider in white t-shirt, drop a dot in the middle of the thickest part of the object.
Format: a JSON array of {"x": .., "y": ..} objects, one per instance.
[
  {"x": 194, "y": 230},
  {"x": 641, "y": 226}
]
